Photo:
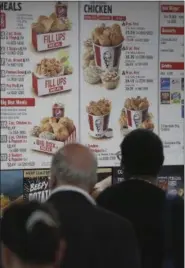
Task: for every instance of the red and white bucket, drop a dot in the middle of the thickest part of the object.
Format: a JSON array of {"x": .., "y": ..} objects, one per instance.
[
  {"x": 107, "y": 57},
  {"x": 135, "y": 118},
  {"x": 98, "y": 125},
  {"x": 49, "y": 146}
]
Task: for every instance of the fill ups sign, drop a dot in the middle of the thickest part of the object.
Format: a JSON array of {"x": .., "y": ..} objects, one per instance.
[{"x": 36, "y": 185}]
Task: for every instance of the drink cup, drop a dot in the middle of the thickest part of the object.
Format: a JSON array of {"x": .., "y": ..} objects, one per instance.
[{"x": 61, "y": 10}]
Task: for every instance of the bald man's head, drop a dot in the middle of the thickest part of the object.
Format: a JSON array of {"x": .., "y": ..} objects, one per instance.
[{"x": 76, "y": 165}]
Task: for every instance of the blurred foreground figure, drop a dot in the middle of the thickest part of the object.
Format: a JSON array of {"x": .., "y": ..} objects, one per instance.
[
  {"x": 30, "y": 237},
  {"x": 157, "y": 218},
  {"x": 95, "y": 238}
]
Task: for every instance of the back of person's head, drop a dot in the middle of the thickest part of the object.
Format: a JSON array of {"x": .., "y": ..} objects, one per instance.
[
  {"x": 142, "y": 154},
  {"x": 30, "y": 235},
  {"x": 75, "y": 165}
]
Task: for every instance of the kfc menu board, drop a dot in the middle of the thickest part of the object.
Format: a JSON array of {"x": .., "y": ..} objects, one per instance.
[
  {"x": 119, "y": 73},
  {"x": 39, "y": 81},
  {"x": 89, "y": 72},
  {"x": 171, "y": 81}
]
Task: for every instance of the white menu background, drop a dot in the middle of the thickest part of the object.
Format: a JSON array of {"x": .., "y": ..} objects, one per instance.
[{"x": 17, "y": 120}]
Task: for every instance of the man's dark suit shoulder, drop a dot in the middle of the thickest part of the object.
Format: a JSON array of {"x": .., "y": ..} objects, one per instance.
[
  {"x": 133, "y": 191},
  {"x": 111, "y": 217},
  {"x": 93, "y": 231},
  {"x": 120, "y": 226},
  {"x": 143, "y": 204}
]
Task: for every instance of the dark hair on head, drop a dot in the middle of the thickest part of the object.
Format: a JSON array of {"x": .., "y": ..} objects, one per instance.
[
  {"x": 142, "y": 154},
  {"x": 31, "y": 231}
]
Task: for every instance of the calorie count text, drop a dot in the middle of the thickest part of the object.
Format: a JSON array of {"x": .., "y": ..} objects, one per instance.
[
  {"x": 20, "y": 43},
  {"x": 104, "y": 156},
  {"x": 138, "y": 40},
  {"x": 13, "y": 91},
  {"x": 169, "y": 144},
  {"x": 138, "y": 57},
  {"x": 16, "y": 36},
  {"x": 173, "y": 18},
  {"x": 136, "y": 64},
  {"x": 139, "y": 32},
  {"x": 170, "y": 73},
  {"x": 138, "y": 80},
  {"x": 131, "y": 88},
  {"x": 15, "y": 79},
  {"x": 168, "y": 127}
]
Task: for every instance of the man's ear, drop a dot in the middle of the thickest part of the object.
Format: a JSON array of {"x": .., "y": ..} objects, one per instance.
[
  {"x": 61, "y": 252},
  {"x": 7, "y": 257}
]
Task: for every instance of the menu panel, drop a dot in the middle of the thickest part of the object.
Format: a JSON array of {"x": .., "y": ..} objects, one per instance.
[
  {"x": 11, "y": 188},
  {"x": 171, "y": 84},
  {"x": 119, "y": 74},
  {"x": 121, "y": 69},
  {"x": 39, "y": 81},
  {"x": 36, "y": 185},
  {"x": 170, "y": 178}
]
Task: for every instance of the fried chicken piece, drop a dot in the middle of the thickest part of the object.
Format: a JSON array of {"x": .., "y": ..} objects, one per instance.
[
  {"x": 60, "y": 131},
  {"x": 45, "y": 120},
  {"x": 104, "y": 40},
  {"x": 46, "y": 127},
  {"x": 68, "y": 123}
]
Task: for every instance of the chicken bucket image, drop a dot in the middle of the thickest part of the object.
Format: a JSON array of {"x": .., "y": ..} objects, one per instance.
[
  {"x": 98, "y": 125},
  {"x": 107, "y": 57},
  {"x": 135, "y": 118}
]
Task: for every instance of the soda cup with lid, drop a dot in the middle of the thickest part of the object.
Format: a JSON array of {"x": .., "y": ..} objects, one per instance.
[
  {"x": 61, "y": 10},
  {"x": 58, "y": 110}
]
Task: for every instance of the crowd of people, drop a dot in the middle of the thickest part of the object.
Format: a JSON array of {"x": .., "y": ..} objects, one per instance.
[{"x": 133, "y": 224}]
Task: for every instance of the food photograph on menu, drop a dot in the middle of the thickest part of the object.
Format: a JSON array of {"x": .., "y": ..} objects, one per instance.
[
  {"x": 101, "y": 56},
  {"x": 52, "y": 76},
  {"x": 51, "y": 32},
  {"x": 135, "y": 114},
  {"x": 89, "y": 72},
  {"x": 53, "y": 132},
  {"x": 98, "y": 113}
]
